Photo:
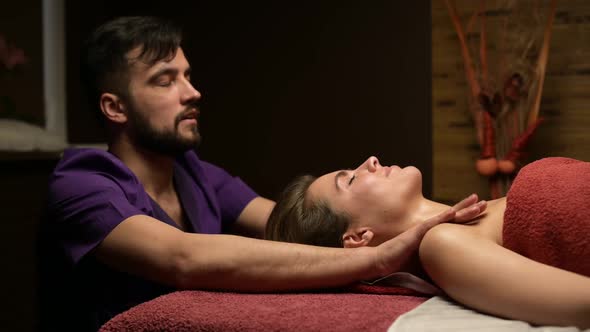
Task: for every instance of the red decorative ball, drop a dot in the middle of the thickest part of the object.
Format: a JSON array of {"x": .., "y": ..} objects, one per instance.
[
  {"x": 487, "y": 166},
  {"x": 506, "y": 166}
]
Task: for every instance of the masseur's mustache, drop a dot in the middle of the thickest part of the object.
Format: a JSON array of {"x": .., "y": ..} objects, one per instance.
[{"x": 189, "y": 112}]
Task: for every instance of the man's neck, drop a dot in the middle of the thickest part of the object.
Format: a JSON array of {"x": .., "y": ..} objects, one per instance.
[{"x": 154, "y": 171}]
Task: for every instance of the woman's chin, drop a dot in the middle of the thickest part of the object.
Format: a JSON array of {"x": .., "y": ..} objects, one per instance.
[
  {"x": 415, "y": 174},
  {"x": 413, "y": 170}
]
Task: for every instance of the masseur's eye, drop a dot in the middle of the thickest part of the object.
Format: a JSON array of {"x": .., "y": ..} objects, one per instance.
[{"x": 351, "y": 179}]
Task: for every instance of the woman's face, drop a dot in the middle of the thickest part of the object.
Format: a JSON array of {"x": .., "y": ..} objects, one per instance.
[{"x": 372, "y": 194}]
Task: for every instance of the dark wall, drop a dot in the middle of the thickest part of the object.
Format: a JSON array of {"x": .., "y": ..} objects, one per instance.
[
  {"x": 291, "y": 88},
  {"x": 24, "y": 180}
]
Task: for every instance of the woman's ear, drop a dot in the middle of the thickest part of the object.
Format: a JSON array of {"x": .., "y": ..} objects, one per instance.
[
  {"x": 360, "y": 237},
  {"x": 113, "y": 108}
]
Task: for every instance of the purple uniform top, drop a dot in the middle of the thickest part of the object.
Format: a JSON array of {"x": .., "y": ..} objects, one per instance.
[{"x": 90, "y": 192}]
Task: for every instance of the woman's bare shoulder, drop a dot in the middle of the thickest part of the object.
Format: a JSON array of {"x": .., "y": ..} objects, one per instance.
[
  {"x": 487, "y": 227},
  {"x": 449, "y": 239},
  {"x": 448, "y": 232}
]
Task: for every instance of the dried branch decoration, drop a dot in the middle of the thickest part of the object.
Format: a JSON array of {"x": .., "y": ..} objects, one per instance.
[{"x": 505, "y": 79}]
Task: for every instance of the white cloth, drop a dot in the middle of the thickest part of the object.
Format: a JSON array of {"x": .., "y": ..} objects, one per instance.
[
  {"x": 439, "y": 314},
  {"x": 406, "y": 280}
]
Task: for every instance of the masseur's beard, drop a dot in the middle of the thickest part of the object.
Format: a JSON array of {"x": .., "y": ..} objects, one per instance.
[{"x": 165, "y": 142}]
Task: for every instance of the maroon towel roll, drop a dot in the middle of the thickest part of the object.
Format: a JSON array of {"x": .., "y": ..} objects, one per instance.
[{"x": 547, "y": 214}]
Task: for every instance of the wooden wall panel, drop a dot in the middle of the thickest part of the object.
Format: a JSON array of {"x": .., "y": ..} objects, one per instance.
[{"x": 565, "y": 104}]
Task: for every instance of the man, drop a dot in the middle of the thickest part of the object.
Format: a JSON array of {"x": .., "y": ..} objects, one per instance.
[{"x": 144, "y": 218}]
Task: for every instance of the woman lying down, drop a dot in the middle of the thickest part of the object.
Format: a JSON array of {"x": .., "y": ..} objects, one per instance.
[{"x": 526, "y": 258}]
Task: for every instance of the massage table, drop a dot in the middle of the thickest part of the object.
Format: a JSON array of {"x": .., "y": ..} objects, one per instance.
[{"x": 359, "y": 308}]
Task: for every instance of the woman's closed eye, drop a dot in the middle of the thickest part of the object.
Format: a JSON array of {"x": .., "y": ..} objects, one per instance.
[{"x": 351, "y": 179}]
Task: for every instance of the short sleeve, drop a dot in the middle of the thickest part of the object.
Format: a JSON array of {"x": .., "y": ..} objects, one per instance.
[
  {"x": 232, "y": 193},
  {"x": 84, "y": 206}
]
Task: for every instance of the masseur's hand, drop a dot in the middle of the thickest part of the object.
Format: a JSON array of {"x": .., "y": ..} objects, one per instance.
[
  {"x": 466, "y": 211},
  {"x": 394, "y": 253}
]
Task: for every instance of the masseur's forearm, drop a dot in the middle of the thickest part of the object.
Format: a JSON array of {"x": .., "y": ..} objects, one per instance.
[
  {"x": 146, "y": 247},
  {"x": 239, "y": 263}
]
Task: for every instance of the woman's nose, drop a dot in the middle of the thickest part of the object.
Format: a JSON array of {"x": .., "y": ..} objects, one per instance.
[{"x": 371, "y": 164}]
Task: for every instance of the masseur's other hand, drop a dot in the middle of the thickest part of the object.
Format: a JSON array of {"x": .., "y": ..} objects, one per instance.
[
  {"x": 396, "y": 252},
  {"x": 467, "y": 210}
]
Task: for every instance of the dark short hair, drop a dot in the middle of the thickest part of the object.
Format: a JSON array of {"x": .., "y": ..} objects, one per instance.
[
  {"x": 104, "y": 62},
  {"x": 296, "y": 218}
]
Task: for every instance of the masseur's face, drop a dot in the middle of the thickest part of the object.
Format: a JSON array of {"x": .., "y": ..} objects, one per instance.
[
  {"x": 373, "y": 195},
  {"x": 162, "y": 106}
]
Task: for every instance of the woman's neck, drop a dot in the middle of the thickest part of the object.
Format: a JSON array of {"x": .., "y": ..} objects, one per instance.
[{"x": 426, "y": 209}]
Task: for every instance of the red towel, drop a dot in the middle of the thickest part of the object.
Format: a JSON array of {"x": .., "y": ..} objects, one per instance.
[
  {"x": 547, "y": 214},
  {"x": 220, "y": 311}
]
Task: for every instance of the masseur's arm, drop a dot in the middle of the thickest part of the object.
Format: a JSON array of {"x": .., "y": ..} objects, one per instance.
[
  {"x": 146, "y": 247},
  {"x": 483, "y": 275}
]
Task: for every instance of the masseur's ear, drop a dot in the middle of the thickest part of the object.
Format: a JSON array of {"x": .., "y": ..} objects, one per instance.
[
  {"x": 358, "y": 237},
  {"x": 113, "y": 108}
]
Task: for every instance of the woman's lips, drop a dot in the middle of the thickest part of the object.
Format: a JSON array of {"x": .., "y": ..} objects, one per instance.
[{"x": 390, "y": 169}]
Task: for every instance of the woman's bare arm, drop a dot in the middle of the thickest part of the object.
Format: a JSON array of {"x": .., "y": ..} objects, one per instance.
[{"x": 483, "y": 275}]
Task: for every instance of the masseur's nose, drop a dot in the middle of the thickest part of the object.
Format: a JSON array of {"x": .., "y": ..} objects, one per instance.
[
  {"x": 371, "y": 164},
  {"x": 189, "y": 94}
]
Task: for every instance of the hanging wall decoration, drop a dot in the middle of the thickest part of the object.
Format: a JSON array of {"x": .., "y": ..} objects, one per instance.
[{"x": 505, "y": 75}]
